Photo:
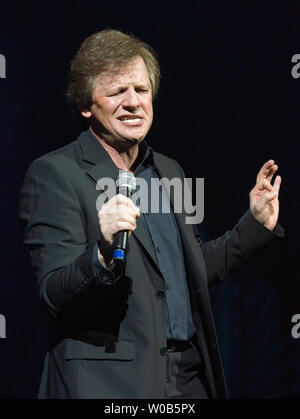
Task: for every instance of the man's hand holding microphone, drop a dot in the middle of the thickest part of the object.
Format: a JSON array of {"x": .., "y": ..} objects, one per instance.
[{"x": 117, "y": 219}]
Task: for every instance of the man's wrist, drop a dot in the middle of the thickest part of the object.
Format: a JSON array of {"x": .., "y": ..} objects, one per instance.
[
  {"x": 103, "y": 273},
  {"x": 104, "y": 253}
]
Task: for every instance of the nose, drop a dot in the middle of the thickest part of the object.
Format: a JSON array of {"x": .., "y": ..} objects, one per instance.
[{"x": 131, "y": 98}]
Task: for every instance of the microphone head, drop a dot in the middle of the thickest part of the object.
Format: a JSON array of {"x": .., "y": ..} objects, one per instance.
[{"x": 126, "y": 182}]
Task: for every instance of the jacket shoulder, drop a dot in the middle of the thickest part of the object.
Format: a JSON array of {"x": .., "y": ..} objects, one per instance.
[
  {"x": 67, "y": 152},
  {"x": 162, "y": 158},
  {"x": 63, "y": 157},
  {"x": 164, "y": 161}
]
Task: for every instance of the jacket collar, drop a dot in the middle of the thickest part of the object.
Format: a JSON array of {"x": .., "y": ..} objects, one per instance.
[{"x": 94, "y": 153}]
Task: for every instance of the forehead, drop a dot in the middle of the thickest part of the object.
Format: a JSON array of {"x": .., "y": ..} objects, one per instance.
[{"x": 133, "y": 72}]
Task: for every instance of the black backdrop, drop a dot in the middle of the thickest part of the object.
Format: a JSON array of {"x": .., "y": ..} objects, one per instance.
[{"x": 227, "y": 103}]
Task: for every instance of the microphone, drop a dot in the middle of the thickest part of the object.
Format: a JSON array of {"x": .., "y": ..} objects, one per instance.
[{"x": 126, "y": 184}]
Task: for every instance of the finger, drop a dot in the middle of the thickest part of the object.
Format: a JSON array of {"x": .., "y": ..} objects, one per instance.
[
  {"x": 116, "y": 213},
  {"x": 264, "y": 171},
  {"x": 272, "y": 171},
  {"x": 115, "y": 217},
  {"x": 265, "y": 184},
  {"x": 120, "y": 209},
  {"x": 121, "y": 199},
  {"x": 121, "y": 226},
  {"x": 267, "y": 198},
  {"x": 112, "y": 227},
  {"x": 118, "y": 203},
  {"x": 124, "y": 200},
  {"x": 277, "y": 183}
]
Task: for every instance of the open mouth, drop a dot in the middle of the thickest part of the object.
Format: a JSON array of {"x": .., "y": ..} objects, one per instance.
[{"x": 131, "y": 119}]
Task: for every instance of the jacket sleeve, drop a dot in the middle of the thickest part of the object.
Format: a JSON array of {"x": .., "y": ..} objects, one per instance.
[
  {"x": 231, "y": 251},
  {"x": 55, "y": 233}
]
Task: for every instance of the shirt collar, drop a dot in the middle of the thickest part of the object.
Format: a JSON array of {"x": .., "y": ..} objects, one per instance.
[{"x": 144, "y": 158}]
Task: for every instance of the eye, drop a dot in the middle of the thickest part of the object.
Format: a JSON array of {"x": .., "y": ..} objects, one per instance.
[
  {"x": 119, "y": 92},
  {"x": 139, "y": 90}
]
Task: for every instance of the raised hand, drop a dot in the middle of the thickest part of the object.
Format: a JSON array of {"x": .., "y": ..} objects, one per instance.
[{"x": 264, "y": 202}]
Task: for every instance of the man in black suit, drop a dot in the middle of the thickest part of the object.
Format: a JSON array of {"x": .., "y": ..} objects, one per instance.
[{"x": 148, "y": 333}]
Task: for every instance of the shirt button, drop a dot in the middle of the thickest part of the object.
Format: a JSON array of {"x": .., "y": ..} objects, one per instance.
[
  {"x": 164, "y": 351},
  {"x": 158, "y": 249},
  {"x": 161, "y": 294}
]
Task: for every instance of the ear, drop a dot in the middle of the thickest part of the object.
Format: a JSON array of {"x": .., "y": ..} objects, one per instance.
[{"x": 86, "y": 113}]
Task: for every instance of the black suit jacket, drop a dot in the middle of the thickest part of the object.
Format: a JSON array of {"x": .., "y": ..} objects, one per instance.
[{"x": 107, "y": 340}]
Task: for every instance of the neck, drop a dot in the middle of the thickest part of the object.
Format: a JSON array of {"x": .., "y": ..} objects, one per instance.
[{"x": 122, "y": 159}]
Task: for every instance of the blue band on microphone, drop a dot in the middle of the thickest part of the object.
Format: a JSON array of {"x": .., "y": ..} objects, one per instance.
[{"x": 119, "y": 254}]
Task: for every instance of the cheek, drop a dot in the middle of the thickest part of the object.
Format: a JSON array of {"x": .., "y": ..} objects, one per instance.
[
  {"x": 109, "y": 107},
  {"x": 148, "y": 107}
]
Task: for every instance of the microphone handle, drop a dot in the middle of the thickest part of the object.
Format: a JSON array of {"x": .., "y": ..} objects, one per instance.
[{"x": 121, "y": 238}]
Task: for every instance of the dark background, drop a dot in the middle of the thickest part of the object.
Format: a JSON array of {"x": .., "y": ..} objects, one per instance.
[{"x": 227, "y": 103}]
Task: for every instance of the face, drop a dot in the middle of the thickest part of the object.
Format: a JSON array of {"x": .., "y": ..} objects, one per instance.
[{"x": 122, "y": 112}]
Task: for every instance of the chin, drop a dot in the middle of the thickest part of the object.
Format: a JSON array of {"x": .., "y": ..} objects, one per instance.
[
  {"x": 133, "y": 139},
  {"x": 131, "y": 142},
  {"x": 136, "y": 140},
  {"x": 126, "y": 143}
]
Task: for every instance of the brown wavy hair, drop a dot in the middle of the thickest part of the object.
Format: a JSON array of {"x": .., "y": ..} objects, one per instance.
[{"x": 107, "y": 50}]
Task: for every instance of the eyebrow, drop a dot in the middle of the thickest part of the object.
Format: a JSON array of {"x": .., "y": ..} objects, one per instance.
[{"x": 122, "y": 86}]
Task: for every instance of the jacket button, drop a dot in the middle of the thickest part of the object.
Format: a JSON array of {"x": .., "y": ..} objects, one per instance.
[
  {"x": 164, "y": 351},
  {"x": 161, "y": 294}
]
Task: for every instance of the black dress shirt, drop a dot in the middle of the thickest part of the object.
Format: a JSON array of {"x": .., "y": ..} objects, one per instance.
[{"x": 165, "y": 237}]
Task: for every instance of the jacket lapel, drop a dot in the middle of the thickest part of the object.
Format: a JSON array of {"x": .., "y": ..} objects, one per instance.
[
  {"x": 193, "y": 255},
  {"x": 93, "y": 153}
]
